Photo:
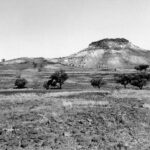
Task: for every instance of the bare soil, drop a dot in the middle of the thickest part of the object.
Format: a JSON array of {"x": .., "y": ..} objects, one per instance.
[{"x": 32, "y": 121}]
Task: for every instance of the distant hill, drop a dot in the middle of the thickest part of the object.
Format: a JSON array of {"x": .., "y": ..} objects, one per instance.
[
  {"x": 105, "y": 53},
  {"x": 24, "y": 60},
  {"x": 108, "y": 53}
]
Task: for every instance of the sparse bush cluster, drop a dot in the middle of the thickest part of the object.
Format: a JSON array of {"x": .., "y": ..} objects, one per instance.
[
  {"x": 56, "y": 80},
  {"x": 139, "y": 79},
  {"x": 142, "y": 67}
]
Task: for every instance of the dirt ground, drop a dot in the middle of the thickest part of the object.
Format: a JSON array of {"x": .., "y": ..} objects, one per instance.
[
  {"x": 78, "y": 117},
  {"x": 85, "y": 120}
]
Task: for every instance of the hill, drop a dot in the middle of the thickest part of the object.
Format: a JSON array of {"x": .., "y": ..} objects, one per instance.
[
  {"x": 103, "y": 54},
  {"x": 108, "y": 53}
]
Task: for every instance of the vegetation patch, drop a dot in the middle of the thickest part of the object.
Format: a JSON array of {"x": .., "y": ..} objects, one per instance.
[{"x": 48, "y": 124}]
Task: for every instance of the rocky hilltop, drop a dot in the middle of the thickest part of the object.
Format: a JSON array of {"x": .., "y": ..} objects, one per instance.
[{"x": 108, "y": 53}]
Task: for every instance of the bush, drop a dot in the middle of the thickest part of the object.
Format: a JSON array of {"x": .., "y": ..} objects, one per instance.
[
  {"x": 20, "y": 83},
  {"x": 123, "y": 79},
  {"x": 139, "y": 83},
  {"x": 52, "y": 83},
  {"x": 59, "y": 77},
  {"x": 141, "y": 67},
  {"x": 139, "y": 79},
  {"x": 97, "y": 82}
]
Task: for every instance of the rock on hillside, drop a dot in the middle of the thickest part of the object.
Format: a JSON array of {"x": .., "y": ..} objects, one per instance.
[{"x": 108, "y": 53}]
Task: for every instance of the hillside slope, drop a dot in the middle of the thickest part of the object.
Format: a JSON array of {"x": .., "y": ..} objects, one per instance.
[{"x": 108, "y": 53}]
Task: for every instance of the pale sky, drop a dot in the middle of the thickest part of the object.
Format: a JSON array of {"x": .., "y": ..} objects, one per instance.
[{"x": 56, "y": 28}]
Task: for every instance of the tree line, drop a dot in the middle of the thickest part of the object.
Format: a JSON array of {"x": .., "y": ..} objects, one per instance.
[
  {"x": 57, "y": 79},
  {"x": 138, "y": 79}
]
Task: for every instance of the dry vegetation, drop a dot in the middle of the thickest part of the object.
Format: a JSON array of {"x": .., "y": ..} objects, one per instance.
[
  {"x": 76, "y": 118},
  {"x": 74, "y": 121}
]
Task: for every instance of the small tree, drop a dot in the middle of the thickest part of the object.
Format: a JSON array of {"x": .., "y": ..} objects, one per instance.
[
  {"x": 97, "y": 82},
  {"x": 141, "y": 67},
  {"x": 123, "y": 79},
  {"x": 140, "y": 80},
  {"x": 59, "y": 77},
  {"x": 139, "y": 83},
  {"x": 50, "y": 82},
  {"x": 20, "y": 83}
]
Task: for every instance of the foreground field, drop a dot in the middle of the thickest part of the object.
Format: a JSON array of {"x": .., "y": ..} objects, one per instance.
[
  {"x": 77, "y": 117},
  {"x": 81, "y": 120}
]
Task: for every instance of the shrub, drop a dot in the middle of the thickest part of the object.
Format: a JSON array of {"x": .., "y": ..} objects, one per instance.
[
  {"x": 123, "y": 79},
  {"x": 140, "y": 80},
  {"x": 59, "y": 77},
  {"x": 52, "y": 83},
  {"x": 139, "y": 83},
  {"x": 97, "y": 82},
  {"x": 20, "y": 83},
  {"x": 141, "y": 67}
]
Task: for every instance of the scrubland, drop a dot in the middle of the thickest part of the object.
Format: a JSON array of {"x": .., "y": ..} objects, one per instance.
[
  {"x": 78, "y": 117},
  {"x": 75, "y": 120}
]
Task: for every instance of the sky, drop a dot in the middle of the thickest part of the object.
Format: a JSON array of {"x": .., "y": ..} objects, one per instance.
[{"x": 57, "y": 28}]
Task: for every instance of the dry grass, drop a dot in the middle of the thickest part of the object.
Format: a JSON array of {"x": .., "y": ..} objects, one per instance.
[
  {"x": 88, "y": 120},
  {"x": 75, "y": 118},
  {"x": 130, "y": 93}
]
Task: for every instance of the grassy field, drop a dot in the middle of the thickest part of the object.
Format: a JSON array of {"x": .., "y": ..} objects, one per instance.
[
  {"x": 79, "y": 78},
  {"x": 78, "y": 117}
]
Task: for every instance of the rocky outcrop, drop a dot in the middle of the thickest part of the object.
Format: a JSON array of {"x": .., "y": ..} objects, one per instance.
[{"x": 108, "y": 53}]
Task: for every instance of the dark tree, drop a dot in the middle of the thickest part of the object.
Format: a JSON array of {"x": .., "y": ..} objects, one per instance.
[
  {"x": 50, "y": 83},
  {"x": 123, "y": 79},
  {"x": 20, "y": 83},
  {"x": 58, "y": 77},
  {"x": 97, "y": 82},
  {"x": 141, "y": 67},
  {"x": 140, "y": 80},
  {"x": 139, "y": 83}
]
